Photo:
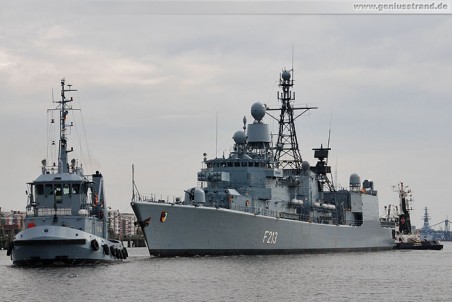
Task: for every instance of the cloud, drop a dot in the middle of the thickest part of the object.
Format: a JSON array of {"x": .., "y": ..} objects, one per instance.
[{"x": 151, "y": 87}]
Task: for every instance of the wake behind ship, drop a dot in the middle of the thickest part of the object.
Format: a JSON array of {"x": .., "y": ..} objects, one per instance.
[{"x": 264, "y": 199}]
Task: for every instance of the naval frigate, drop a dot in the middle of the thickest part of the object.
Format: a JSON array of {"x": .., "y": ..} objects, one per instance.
[
  {"x": 264, "y": 199},
  {"x": 66, "y": 214}
]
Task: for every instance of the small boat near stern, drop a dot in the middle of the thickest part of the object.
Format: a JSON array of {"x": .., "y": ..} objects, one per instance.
[{"x": 405, "y": 239}]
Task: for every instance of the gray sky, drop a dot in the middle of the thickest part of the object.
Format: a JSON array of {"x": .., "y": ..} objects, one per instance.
[{"x": 150, "y": 87}]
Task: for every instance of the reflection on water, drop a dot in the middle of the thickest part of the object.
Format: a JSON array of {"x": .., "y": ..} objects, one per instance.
[{"x": 379, "y": 276}]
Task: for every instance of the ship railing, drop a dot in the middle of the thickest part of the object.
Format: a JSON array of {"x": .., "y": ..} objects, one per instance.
[
  {"x": 241, "y": 208},
  {"x": 52, "y": 212},
  {"x": 265, "y": 212},
  {"x": 294, "y": 216},
  {"x": 387, "y": 224},
  {"x": 308, "y": 218},
  {"x": 270, "y": 213},
  {"x": 254, "y": 210},
  {"x": 354, "y": 222}
]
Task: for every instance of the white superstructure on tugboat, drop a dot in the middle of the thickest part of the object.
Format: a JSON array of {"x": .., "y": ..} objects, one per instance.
[
  {"x": 264, "y": 199},
  {"x": 66, "y": 219}
]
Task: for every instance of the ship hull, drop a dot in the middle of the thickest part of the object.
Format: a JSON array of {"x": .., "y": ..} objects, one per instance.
[
  {"x": 57, "y": 245},
  {"x": 424, "y": 245},
  {"x": 188, "y": 231}
]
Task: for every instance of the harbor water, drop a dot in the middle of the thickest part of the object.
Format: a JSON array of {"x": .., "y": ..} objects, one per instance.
[{"x": 377, "y": 276}]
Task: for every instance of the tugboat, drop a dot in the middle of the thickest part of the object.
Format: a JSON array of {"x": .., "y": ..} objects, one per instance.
[
  {"x": 405, "y": 239},
  {"x": 66, "y": 215},
  {"x": 264, "y": 199}
]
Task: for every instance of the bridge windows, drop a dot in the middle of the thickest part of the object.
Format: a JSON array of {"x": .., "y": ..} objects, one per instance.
[
  {"x": 58, "y": 190},
  {"x": 58, "y": 193},
  {"x": 66, "y": 189},
  {"x": 39, "y": 189},
  {"x": 48, "y": 190},
  {"x": 75, "y": 189},
  {"x": 236, "y": 163}
]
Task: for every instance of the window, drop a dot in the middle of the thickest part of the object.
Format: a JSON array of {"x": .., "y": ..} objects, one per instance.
[
  {"x": 58, "y": 193},
  {"x": 48, "y": 189},
  {"x": 39, "y": 189},
  {"x": 75, "y": 188},
  {"x": 66, "y": 189}
]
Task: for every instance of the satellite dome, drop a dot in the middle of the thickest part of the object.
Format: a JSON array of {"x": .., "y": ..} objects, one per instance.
[
  {"x": 305, "y": 166},
  {"x": 239, "y": 137},
  {"x": 355, "y": 180},
  {"x": 258, "y": 111},
  {"x": 285, "y": 75}
]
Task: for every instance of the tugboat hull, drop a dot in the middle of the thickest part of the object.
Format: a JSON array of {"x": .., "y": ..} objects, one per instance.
[
  {"x": 424, "y": 245},
  {"x": 53, "y": 245}
]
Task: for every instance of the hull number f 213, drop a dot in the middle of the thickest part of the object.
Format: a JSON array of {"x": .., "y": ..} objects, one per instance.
[{"x": 270, "y": 237}]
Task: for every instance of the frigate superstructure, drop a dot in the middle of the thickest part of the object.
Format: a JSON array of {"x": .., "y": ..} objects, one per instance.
[
  {"x": 264, "y": 199},
  {"x": 66, "y": 214}
]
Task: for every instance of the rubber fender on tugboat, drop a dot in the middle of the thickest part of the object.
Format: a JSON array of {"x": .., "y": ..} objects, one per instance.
[
  {"x": 94, "y": 245},
  {"x": 125, "y": 253},
  {"x": 118, "y": 253},
  {"x": 10, "y": 248},
  {"x": 112, "y": 250},
  {"x": 106, "y": 249}
]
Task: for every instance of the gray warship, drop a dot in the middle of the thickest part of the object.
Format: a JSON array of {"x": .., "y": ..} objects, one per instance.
[
  {"x": 66, "y": 215},
  {"x": 264, "y": 199}
]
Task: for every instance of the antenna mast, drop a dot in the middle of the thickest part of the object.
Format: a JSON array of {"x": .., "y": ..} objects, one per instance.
[
  {"x": 64, "y": 111},
  {"x": 404, "y": 217},
  {"x": 287, "y": 153}
]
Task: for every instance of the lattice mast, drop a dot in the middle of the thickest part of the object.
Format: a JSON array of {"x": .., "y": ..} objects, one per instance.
[{"x": 287, "y": 154}]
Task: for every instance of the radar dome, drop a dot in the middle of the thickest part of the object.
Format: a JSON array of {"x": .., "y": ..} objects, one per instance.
[
  {"x": 239, "y": 137},
  {"x": 355, "y": 180},
  {"x": 285, "y": 75},
  {"x": 305, "y": 166},
  {"x": 258, "y": 111}
]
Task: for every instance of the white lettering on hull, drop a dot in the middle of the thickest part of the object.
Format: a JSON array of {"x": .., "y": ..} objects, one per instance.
[{"x": 270, "y": 237}]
